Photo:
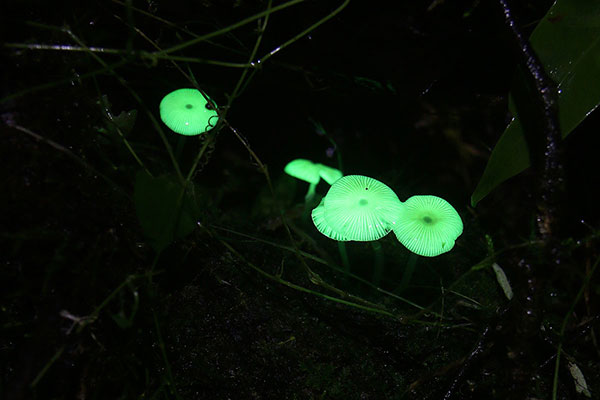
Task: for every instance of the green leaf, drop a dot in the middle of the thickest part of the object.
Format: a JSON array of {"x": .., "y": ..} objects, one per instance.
[
  {"x": 567, "y": 41},
  {"x": 124, "y": 121},
  {"x": 164, "y": 211}
]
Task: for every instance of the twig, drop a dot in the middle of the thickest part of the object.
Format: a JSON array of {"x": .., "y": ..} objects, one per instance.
[{"x": 547, "y": 161}]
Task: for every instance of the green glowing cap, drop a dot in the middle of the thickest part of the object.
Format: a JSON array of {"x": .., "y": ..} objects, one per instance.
[
  {"x": 307, "y": 171},
  {"x": 187, "y": 112},
  {"x": 428, "y": 225},
  {"x": 357, "y": 208},
  {"x": 302, "y": 169},
  {"x": 330, "y": 175},
  {"x": 318, "y": 217}
]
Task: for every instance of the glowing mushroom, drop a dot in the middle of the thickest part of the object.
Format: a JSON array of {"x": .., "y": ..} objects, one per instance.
[
  {"x": 318, "y": 217},
  {"x": 329, "y": 174},
  {"x": 187, "y": 112},
  {"x": 357, "y": 208},
  {"x": 428, "y": 225},
  {"x": 306, "y": 171}
]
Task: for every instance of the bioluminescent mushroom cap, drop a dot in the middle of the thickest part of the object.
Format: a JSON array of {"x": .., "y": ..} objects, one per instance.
[
  {"x": 329, "y": 174},
  {"x": 307, "y": 171},
  {"x": 428, "y": 225},
  {"x": 302, "y": 169},
  {"x": 187, "y": 112},
  {"x": 318, "y": 217},
  {"x": 357, "y": 208}
]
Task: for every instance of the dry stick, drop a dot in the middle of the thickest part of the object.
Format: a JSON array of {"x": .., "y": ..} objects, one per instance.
[
  {"x": 547, "y": 165},
  {"x": 293, "y": 39},
  {"x": 124, "y": 52},
  {"x": 65, "y": 47},
  {"x": 548, "y": 159},
  {"x": 195, "y": 60},
  {"x": 252, "y": 55},
  {"x": 230, "y": 27},
  {"x": 165, "y": 53},
  {"x": 304, "y": 32},
  {"x": 157, "y": 47},
  {"x": 174, "y": 26}
]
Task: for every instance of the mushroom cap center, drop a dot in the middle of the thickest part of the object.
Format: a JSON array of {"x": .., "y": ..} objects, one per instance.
[
  {"x": 363, "y": 202},
  {"x": 189, "y": 106},
  {"x": 427, "y": 219}
]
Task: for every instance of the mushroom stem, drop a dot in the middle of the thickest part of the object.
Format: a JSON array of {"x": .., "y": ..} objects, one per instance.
[
  {"x": 378, "y": 262},
  {"x": 309, "y": 201},
  {"x": 180, "y": 145},
  {"x": 344, "y": 256},
  {"x": 310, "y": 194},
  {"x": 408, "y": 273}
]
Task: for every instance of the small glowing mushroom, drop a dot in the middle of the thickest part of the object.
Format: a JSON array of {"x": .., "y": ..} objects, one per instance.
[
  {"x": 428, "y": 225},
  {"x": 357, "y": 208},
  {"x": 329, "y": 174},
  {"x": 187, "y": 112},
  {"x": 306, "y": 171}
]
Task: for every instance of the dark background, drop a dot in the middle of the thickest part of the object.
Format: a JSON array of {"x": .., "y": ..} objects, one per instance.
[{"x": 414, "y": 95}]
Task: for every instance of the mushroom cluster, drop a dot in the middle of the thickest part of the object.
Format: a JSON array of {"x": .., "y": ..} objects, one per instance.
[{"x": 360, "y": 208}]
